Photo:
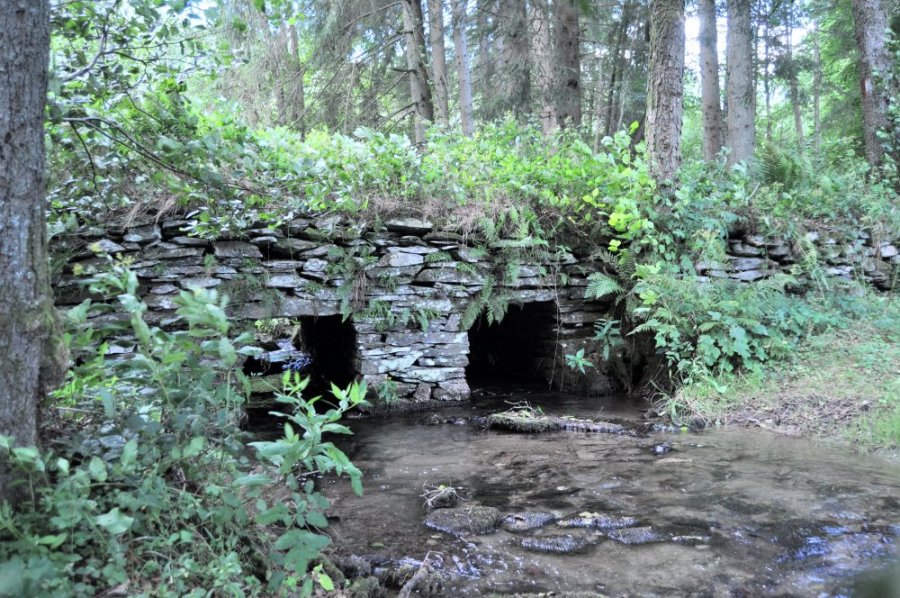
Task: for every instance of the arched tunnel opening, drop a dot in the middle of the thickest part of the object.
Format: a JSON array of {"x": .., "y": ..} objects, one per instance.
[
  {"x": 519, "y": 348},
  {"x": 321, "y": 348}
]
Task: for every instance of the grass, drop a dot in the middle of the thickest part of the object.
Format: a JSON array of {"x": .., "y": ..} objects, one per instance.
[{"x": 840, "y": 383}]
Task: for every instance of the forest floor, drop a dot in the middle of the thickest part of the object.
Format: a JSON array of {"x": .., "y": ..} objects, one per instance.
[{"x": 839, "y": 385}]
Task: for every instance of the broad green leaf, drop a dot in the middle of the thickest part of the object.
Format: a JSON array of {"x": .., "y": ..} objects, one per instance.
[{"x": 114, "y": 522}]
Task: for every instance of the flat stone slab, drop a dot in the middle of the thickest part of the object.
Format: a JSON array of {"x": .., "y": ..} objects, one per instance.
[
  {"x": 448, "y": 276},
  {"x": 468, "y": 519},
  {"x": 400, "y": 260},
  {"x": 236, "y": 249},
  {"x": 414, "y": 226},
  {"x": 597, "y": 521},
  {"x": 636, "y": 535},
  {"x": 556, "y": 543},
  {"x": 527, "y": 521}
]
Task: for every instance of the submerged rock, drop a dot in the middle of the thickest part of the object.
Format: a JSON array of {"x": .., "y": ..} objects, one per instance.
[
  {"x": 556, "y": 543},
  {"x": 636, "y": 535},
  {"x": 532, "y": 422},
  {"x": 598, "y": 521},
  {"x": 470, "y": 519},
  {"x": 662, "y": 448},
  {"x": 526, "y": 521}
]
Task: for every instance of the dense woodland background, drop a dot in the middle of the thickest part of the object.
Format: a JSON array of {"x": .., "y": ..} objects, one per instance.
[{"x": 640, "y": 133}]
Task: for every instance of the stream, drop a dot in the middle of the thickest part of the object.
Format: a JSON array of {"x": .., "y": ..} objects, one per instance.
[{"x": 726, "y": 513}]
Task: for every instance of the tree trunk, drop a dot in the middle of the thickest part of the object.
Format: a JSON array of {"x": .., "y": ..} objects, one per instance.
[
  {"x": 741, "y": 135},
  {"x": 417, "y": 87},
  {"x": 514, "y": 77},
  {"x": 617, "y": 60},
  {"x": 870, "y": 21},
  {"x": 542, "y": 56},
  {"x": 290, "y": 97},
  {"x": 817, "y": 90},
  {"x": 421, "y": 55},
  {"x": 568, "y": 59},
  {"x": 767, "y": 79},
  {"x": 438, "y": 59},
  {"x": 792, "y": 80},
  {"x": 33, "y": 354},
  {"x": 461, "y": 46},
  {"x": 711, "y": 95},
  {"x": 665, "y": 89},
  {"x": 486, "y": 66}
]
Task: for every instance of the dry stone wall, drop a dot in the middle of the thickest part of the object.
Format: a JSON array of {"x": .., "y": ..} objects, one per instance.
[
  {"x": 753, "y": 257},
  {"x": 407, "y": 284},
  {"x": 409, "y": 287}
]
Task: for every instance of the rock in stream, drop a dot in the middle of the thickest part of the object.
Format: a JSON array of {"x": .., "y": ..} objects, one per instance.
[
  {"x": 469, "y": 519},
  {"x": 526, "y": 521},
  {"x": 556, "y": 543}
]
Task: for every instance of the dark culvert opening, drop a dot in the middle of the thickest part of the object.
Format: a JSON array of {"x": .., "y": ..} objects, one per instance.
[
  {"x": 331, "y": 344},
  {"x": 517, "y": 349},
  {"x": 322, "y": 349}
]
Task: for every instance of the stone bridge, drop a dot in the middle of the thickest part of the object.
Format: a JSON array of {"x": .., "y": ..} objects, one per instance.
[
  {"x": 412, "y": 309},
  {"x": 394, "y": 305}
]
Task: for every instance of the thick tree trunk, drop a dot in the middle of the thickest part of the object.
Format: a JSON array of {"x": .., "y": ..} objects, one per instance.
[
  {"x": 514, "y": 87},
  {"x": 665, "y": 89},
  {"x": 438, "y": 59},
  {"x": 33, "y": 355},
  {"x": 740, "y": 91},
  {"x": 543, "y": 68},
  {"x": 569, "y": 61},
  {"x": 713, "y": 125},
  {"x": 870, "y": 21},
  {"x": 421, "y": 106},
  {"x": 460, "y": 43}
]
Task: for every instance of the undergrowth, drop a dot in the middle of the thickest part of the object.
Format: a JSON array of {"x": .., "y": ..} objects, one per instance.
[
  {"x": 841, "y": 379},
  {"x": 148, "y": 486}
]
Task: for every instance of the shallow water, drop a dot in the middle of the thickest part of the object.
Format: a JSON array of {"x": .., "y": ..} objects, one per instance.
[{"x": 741, "y": 513}]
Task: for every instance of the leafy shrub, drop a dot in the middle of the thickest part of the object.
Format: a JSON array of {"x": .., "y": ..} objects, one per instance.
[
  {"x": 152, "y": 489},
  {"x": 719, "y": 325}
]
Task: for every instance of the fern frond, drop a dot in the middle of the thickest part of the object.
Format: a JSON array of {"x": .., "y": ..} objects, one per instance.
[{"x": 601, "y": 285}]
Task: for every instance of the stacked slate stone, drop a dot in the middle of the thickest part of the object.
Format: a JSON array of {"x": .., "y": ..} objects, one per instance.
[
  {"x": 755, "y": 257},
  {"x": 295, "y": 273}
]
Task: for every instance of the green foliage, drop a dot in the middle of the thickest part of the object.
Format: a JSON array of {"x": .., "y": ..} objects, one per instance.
[
  {"x": 578, "y": 361},
  {"x": 490, "y": 302},
  {"x": 151, "y": 489},
  {"x": 720, "y": 326},
  {"x": 602, "y": 285}
]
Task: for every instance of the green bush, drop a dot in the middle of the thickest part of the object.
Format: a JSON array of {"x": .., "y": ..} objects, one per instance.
[{"x": 151, "y": 489}]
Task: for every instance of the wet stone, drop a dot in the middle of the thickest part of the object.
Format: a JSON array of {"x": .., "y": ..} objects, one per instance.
[
  {"x": 469, "y": 519},
  {"x": 636, "y": 535},
  {"x": 526, "y": 521},
  {"x": 556, "y": 543},
  {"x": 598, "y": 521}
]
